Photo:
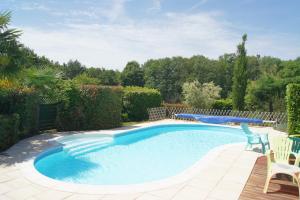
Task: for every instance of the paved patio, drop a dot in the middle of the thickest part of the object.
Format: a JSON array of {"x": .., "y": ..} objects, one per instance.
[{"x": 222, "y": 179}]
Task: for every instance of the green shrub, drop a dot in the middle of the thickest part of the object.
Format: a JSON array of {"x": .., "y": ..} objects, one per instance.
[
  {"x": 137, "y": 100},
  {"x": 223, "y": 104},
  {"x": 9, "y": 129},
  {"x": 293, "y": 108},
  {"x": 90, "y": 107},
  {"x": 199, "y": 95},
  {"x": 23, "y": 101}
]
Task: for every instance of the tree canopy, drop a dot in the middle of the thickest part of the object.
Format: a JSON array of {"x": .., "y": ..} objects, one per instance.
[{"x": 132, "y": 75}]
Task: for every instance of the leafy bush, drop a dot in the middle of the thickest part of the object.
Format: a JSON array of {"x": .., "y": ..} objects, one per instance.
[
  {"x": 9, "y": 129},
  {"x": 84, "y": 79},
  {"x": 223, "y": 104},
  {"x": 293, "y": 108},
  {"x": 47, "y": 82},
  {"x": 199, "y": 95},
  {"x": 90, "y": 107},
  {"x": 137, "y": 100},
  {"x": 23, "y": 101}
]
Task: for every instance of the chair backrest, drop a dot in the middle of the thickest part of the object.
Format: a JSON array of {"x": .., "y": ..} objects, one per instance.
[
  {"x": 246, "y": 129},
  {"x": 281, "y": 147}
]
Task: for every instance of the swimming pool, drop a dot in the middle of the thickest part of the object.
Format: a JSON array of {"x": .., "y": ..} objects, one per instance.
[{"x": 133, "y": 157}]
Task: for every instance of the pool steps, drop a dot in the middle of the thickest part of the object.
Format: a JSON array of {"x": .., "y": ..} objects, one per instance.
[
  {"x": 88, "y": 150},
  {"x": 78, "y": 146},
  {"x": 79, "y": 149}
]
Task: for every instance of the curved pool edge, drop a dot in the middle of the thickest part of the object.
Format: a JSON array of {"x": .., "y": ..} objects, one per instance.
[{"x": 29, "y": 171}]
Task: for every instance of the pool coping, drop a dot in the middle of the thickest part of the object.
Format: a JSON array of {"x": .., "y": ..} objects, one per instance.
[{"x": 29, "y": 171}]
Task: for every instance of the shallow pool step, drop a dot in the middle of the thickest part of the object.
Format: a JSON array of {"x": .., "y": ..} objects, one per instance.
[
  {"x": 88, "y": 150},
  {"x": 80, "y": 147},
  {"x": 82, "y": 143},
  {"x": 83, "y": 146}
]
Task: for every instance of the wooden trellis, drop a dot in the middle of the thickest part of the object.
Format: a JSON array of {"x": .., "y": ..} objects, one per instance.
[{"x": 270, "y": 118}]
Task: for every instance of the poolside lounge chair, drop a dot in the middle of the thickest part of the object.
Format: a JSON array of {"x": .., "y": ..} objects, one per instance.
[
  {"x": 253, "y": 139},
  {"x": 279, "y": 159}
]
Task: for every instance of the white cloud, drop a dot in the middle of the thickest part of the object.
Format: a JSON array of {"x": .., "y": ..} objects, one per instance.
[
  {"x": 34, "y": 6},
  {"x": 156, "y": 5},
  {"x": 198, "y": 4},
  {"x": 279, "y": 45},
  {"x": 113, "y": 44}
]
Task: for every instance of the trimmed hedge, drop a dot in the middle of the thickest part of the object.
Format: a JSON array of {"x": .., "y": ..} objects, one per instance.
[
  {"x": 223, "y": 104},
  {"x": 137, "y": 100},
  {"x": 293, "y": 108},
  {"x": 9, "y": 130},
  {"x": 23, "y": 101},
  {"x": 90, "y": 107}
]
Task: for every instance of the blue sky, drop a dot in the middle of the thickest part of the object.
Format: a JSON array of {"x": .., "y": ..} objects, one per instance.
[{"x": 108, "y": 33}]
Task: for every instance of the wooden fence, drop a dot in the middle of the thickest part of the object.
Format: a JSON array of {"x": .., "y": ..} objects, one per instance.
[{"x": 270, "y": 118}]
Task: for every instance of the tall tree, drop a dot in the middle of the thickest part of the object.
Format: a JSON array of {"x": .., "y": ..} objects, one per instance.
[
  {"x": 240, "y": 76},
  {"x": 166, "y": 76},
  {"x": 132, "y": 75},
  {"x": 73, "y": 69}
]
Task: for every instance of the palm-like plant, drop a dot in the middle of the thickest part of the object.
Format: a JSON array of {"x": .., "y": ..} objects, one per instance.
[
  {"x": 46, "y": 80},
  {"x": 9, "y": 46},
  {"x": 7, "y": 36}
]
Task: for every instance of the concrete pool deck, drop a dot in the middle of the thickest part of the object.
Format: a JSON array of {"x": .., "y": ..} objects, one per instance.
[{"x": 221, "y": 179}]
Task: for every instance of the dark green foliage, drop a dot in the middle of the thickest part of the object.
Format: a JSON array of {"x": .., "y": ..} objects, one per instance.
[
  {"x": 268, "y": 92},
  {"x": 293, "y": 108},
  {"x": 132, "y": 75},
  {"x": 263, "y": 94},
  {"x": 223, "y": 104},
  {"x": 137, "y": 100},
  {"x": 253, "y": 67},
  {"x": 73, "y": 69},
  {"x": 226, "y": 71},
  {"x": 104, "y": 76},
  {"x": 167, "y": 75},
  {"x": 240, "y": 77},
  {"x": 90, "y": 107},
  {"x": 9, "y": 130},
  {"x": 23, "y": 101},
  {"x": 27, "y": 108}
]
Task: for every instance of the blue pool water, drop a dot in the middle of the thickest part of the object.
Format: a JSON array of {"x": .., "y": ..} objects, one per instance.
[{"x": 136, "y": 156}]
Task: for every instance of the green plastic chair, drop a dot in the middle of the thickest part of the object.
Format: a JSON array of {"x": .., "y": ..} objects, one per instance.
[
  {"x": 254, "y": 139},
  {"x": 278, "y": 158}
]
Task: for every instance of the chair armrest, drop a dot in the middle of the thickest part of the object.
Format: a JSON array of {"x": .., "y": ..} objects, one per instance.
[{"x": 253, "y": 136}]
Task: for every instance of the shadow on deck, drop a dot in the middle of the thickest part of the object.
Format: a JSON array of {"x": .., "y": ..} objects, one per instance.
[{"x": 279, "y": 189}]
